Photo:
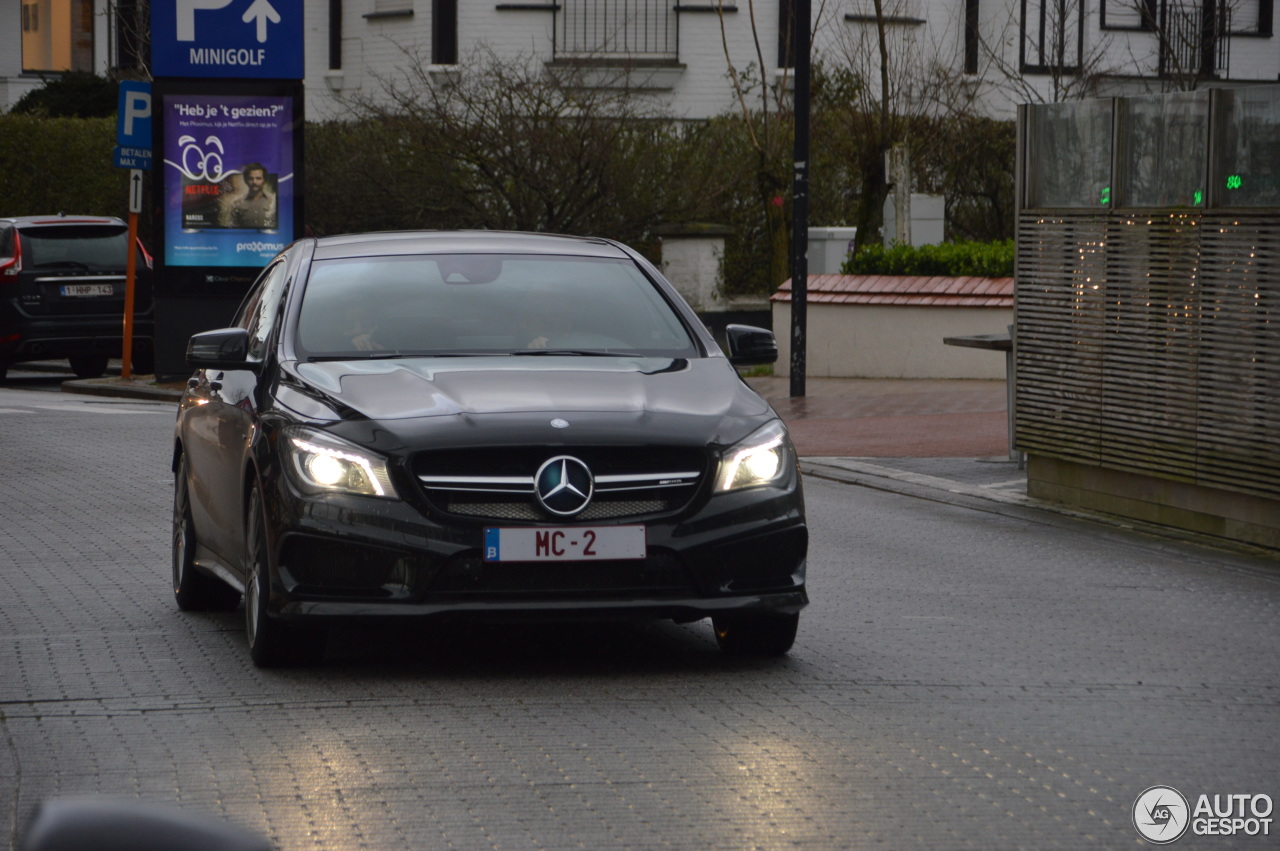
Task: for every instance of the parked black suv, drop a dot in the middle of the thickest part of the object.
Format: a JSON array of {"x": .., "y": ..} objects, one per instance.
[{"x": 62, "y": 288}]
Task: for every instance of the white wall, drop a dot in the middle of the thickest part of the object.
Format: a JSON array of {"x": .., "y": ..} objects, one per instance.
[{"x": 888, "y": 341}]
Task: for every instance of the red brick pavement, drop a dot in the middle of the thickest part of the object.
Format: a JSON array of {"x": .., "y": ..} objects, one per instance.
[{"x": 875, "y": 418}]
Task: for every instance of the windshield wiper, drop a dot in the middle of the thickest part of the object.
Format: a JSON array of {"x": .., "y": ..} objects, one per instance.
[{"x": 587, "y": 353}]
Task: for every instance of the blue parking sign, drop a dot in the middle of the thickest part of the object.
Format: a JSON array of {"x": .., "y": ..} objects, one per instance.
[
  {"x": 246, "y": 39},
  {"x": 133, "y": 117}
]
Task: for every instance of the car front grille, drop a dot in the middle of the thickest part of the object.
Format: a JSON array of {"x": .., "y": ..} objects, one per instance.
[{"x": 498, "y": 484}]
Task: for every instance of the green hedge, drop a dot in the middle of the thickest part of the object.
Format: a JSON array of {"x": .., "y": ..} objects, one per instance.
[
  {"x": 48, "y": 165},
  {"x": 982, "y": 259},
  {"x": 380, "y": 174}
]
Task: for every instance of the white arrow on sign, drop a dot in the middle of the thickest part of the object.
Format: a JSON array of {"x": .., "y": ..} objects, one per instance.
[
  {"x": 263, "y": 11},
  {"x": 135, "y": 190}
]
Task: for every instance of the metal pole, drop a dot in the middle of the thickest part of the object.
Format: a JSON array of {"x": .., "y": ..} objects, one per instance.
[
  {"x": 800, "y": 199},
  {"x": 131, "y": 273}
]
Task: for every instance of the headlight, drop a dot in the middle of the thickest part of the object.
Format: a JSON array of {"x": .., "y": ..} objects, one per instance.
[
  {"x": 761, "y": 459},
  {"x": 323, "y": 463}
]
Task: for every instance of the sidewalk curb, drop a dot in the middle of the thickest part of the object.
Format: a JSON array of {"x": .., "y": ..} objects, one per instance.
[
  {"x": 133, "y": 388},
  {"x": 865, "y": 473}
]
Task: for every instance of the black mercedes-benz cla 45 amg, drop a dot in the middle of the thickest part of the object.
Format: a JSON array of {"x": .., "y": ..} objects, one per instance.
[{"x": 485, "y": 425}]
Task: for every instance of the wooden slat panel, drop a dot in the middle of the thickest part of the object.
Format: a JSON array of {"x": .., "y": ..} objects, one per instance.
[
  {"x": 1151, "y": 344},
  {"x": 1239, "y": 365},
  {"x": 1060, "y": 319},
  {"x": 1149, "y": 394}
]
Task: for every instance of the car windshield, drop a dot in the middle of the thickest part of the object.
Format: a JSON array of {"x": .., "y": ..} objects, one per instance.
[
  {"x": 482, "y": 304},
  {"x": 94, "y": 246}
]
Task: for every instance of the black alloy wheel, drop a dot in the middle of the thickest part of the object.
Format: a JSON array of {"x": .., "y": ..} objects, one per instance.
[
  {"x": 194, "y": 591},
  {"x": 272, "y": 644},
  {"x": 756, "y": 635}
]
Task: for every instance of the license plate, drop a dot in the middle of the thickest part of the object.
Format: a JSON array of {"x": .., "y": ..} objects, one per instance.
[
  {"x": 86, "y": 289},
  {"x": 566, "y": 543}
]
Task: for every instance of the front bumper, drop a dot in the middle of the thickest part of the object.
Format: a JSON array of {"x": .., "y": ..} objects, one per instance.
[{"x": 347, "y": 557}]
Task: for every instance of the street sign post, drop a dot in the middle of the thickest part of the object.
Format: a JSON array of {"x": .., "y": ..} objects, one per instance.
[
  {"x": 135, "y": 191},
  {"x": 133, "y": 151}
]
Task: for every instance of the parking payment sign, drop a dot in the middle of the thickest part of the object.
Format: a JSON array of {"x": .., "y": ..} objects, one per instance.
[
  {"x": 246, "y": 39},
  {"x": 133, "y": 125}
]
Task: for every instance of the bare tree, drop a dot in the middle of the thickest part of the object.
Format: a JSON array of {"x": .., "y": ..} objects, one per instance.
[
  {"x": 1043, "y": 41},
  {"x": 499, "y": 143},
  {"x": 887, "y": 80},
  {"x": 767, "y": 119}
]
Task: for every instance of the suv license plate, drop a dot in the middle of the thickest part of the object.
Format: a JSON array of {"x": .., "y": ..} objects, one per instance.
[
  {"x": 86, "y": 289},
  {"x": 565, "y": 543}
]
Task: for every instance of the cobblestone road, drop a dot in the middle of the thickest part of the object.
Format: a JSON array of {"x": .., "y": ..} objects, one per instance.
[{"x": 963, "y": 679}]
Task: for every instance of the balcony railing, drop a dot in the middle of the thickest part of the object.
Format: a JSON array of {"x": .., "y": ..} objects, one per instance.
[
  {"x": 617, "y": 29},
  {"x": 1197, "y": 39}
]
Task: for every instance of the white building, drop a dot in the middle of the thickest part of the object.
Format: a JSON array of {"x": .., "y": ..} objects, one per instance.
[{"x": 996, "y": 52}]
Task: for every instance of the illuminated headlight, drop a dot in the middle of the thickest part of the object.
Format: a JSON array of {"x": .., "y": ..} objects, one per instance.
[
  {"x": 322, "y": 462},
  {"x": 761, "y": 459}
]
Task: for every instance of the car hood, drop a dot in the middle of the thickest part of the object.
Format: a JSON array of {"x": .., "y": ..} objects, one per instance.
[{"x": 476, "y": 389}]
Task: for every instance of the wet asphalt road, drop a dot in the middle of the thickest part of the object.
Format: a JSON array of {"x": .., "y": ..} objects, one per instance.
[{"x": 962, "y": 679}]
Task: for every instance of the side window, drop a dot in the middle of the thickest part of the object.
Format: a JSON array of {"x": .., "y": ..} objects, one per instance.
[{"x": 258, "y": 314}]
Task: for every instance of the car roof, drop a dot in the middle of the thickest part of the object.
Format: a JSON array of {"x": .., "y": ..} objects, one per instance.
[
  {"x": 61, "y": 219},
  {"x": 462, "y": 242}
]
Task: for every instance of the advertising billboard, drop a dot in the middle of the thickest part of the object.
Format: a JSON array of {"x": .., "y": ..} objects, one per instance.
[{"x": 227, "y": 182}]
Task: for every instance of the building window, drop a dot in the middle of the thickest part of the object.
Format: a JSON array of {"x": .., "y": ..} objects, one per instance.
[
  {"x": 132, "y": 31},
  {"x": 1251, "y": 17},
  {"x": 57, "y": 35},
  {"x": 1128, "y": 14},
  {"x": 1052, "y": 36},
  {"x": 444, "y": 32},
  {"x": 634, "y": 29}
]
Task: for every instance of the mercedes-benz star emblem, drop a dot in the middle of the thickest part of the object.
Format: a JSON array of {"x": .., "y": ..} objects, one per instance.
[{"x": 564, "y": 485}]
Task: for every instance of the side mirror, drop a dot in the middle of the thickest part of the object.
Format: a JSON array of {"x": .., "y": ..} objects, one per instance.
[
  {"x": 749, "y": 346},
  {"x": 226, "y": 348}
]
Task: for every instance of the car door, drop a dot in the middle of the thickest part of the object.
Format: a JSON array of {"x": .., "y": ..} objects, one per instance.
[{"x": 219, "y": 426}]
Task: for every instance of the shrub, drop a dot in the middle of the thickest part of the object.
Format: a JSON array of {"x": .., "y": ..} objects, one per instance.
[
  {"x": 49, "y": 165},
  {"x": 75, "y": 94},
  {"x": 982, "y": 259}
]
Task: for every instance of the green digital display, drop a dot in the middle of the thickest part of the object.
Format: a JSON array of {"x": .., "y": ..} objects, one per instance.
[
  {"x": 1234, "y": 181},
  {"x": 1106, "y": 195},
  {"x": 1197, "y": 198}
]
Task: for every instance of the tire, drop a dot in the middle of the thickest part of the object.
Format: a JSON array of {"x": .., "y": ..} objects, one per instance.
[
  {"x": 88, "y": 366},
  {"x": 272, "y": 644},
  {"x": 756, "y": 635},
  {"x": 193, "y": 590}
]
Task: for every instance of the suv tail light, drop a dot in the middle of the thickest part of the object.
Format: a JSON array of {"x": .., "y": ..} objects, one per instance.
[{"x": 11, "y": 266}]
